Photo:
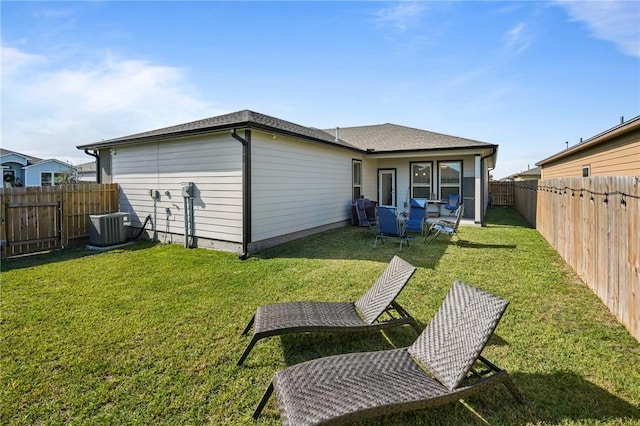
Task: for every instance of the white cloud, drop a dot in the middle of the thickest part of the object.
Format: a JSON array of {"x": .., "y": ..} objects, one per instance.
[
  {"x": 402, "y": 16},
  {"x": 48, "y": 110},
  {"x": 614, "y": 21},
  {"x": 518, "y": 39}
]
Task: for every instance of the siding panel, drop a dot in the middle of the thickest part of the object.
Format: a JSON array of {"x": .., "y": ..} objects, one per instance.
[
  {"x": 213, "y": 163},
  {"x": 297, "y": 186}
]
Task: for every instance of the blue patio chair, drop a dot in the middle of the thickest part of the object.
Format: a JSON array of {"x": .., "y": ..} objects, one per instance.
[
  {"x": 452, "y": 203},
  {"x": 390, "y": 226},
  {"x": 417, "y": 212},
  {"x": 446, "y": 227}
]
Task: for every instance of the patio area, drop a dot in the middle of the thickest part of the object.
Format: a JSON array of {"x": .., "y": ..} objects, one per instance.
[{"x": 150, "y": 334}]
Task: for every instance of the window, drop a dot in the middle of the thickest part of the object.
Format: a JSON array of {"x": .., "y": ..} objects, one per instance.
[
  {"x": 49, "y": 179},
  {"x": 357, "y": 179},
  {"x": 586, "y": 171},
  {"x": 45, "y": 179},
  {"x": 421, "y": 177},
  {"x": 450, "y": 173},
  {"x": 59, "y": 178}
]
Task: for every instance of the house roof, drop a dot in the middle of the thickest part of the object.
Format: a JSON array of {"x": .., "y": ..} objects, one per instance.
[
  {"x": 536, "y": 171},
  {"x": 377, "y": 138},
  {"x": 392, "y": 137},
  {"x": 622, "y": 128},
  {"x": 29, "y": 158},
  {"x": 235, "y": 120}
]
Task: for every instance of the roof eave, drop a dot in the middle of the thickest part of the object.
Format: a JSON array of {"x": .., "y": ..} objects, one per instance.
[{"x": 632, "y": 124}]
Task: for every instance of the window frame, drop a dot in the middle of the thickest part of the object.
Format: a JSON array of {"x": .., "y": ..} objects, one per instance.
[
  {"x": 356, "y": 185},
  {"x": 46, "y": 177},
  {"x": 413, "y": 184},
  {"x": 441, "y": 186},
  {"x": 586, "y": 168}
]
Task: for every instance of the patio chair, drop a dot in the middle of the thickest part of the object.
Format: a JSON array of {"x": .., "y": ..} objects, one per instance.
[
  {"x": 375, "y": 310},
  {"x": 452, "y": 203},
  {"x": 365, "y": 221},
  {"x": 390, "y": 226},
  {"x": 443, "y": 365},
  {"x": 417, "y": 212},
  {"x": 447, "y": 227}
]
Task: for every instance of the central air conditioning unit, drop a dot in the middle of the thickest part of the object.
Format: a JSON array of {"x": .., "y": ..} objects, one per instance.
[{"x": 108, "y": 229}]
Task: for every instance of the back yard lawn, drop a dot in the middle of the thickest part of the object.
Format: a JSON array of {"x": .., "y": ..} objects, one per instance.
[{"x": 151, "y": 334}]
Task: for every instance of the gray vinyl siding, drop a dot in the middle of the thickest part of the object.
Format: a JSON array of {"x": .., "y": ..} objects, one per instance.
[
  {"x": 297, "y": 185},
  {"x": 213, "y": 163}
]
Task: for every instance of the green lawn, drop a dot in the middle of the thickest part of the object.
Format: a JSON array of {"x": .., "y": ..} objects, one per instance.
[{"x": 150, "y": 334}]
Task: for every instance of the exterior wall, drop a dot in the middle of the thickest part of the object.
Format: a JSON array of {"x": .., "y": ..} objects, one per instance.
[
  {"x": 297, "y": 186},
  {"x": 212, "y": 163},
  {"x": 619, "y": 157},
  {"x": 403, "y": 182},
  {"x": 32, "y": 173}
]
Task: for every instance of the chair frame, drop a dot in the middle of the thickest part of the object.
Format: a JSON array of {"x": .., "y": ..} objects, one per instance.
[{"x": 445, "y": 226}]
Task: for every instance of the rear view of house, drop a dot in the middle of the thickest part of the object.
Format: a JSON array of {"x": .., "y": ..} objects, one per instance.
[{"x": 246, "y": 181}]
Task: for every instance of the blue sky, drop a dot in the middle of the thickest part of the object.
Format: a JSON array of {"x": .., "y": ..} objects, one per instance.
[{"x": 525, "y": 75}]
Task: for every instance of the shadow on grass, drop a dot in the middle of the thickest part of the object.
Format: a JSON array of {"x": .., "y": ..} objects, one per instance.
[
  {"x": 469, "y": 244},
  {"x": 564, "y": 396},
  {"x": 38, "y": 259},
  {"x": 353, "y": 243}
]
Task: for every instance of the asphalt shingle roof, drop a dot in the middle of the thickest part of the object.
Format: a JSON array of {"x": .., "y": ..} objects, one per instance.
[
  {"x": 392, "y": 137},
  {"x": 228, "y": 121},
  {"x": 380, "y": 138}
]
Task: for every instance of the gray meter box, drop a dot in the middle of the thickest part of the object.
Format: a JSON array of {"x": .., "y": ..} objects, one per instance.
[{"x": 187, "y": 189}]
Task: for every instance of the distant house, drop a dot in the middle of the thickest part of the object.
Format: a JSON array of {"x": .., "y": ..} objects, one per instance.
[
  {"x": 614, "y": 152},
  {"x": 529, "y": 174},
  {"x": 87, "y": 172},
  {"x": 259, "y": 180},
  {"x": 24, "y": 170}
]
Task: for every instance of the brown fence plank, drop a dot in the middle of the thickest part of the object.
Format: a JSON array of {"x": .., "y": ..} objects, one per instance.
[
  {"x": 594, "y": 224},
  {"x": 36, "y": 219}
]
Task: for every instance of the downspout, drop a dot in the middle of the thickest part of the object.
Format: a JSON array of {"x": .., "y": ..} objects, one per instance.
[
  {"x": 246, "y": 189},
  {"x": 98, "y": 171},
  {"x": 483, "y": 221}
]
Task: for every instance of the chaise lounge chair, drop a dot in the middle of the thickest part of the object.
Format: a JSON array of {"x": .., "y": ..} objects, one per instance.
[
  {"x": 368, "y": 313},
  {"x": 443, "y": 365}
]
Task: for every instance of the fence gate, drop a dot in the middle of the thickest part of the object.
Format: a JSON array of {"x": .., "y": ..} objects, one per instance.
[{"x": 32, "y": 227}]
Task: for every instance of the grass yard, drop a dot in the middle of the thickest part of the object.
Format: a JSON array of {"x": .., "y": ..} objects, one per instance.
[{"x": 151, "y": 334}]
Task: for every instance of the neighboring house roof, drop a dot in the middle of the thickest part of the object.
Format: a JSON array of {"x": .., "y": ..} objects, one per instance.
[
  {"x": 392, "y": 137},
  {"x": 89, "y": 167},
  {"x": 51, "y": 160},
  {"x": 531, "y": 173},
  {"x": 235, "y": 120},
  {"x": 598, "y": 139},
  {"x": 379, "y": 138},
  {"x": 30, "y": 159}
]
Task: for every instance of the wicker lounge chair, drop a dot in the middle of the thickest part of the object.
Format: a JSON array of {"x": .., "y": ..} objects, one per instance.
[
  {"x": 376, "y": 310},
  {"x": 442, "y": 366}
]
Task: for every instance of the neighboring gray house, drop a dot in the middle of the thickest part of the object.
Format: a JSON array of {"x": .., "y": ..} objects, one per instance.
[
  {"x": 24, "y": 170},
  {"x": 260, "y": 181},
  {"x": 87, "y": 172}
]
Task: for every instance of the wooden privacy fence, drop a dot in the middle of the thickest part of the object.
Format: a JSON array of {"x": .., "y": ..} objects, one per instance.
[
  {"x": 40, "y": 218},
  {"x": 594, "y": 223},
  {"x": 525, "y": 194},
  {"x": 501, "y": 193}
]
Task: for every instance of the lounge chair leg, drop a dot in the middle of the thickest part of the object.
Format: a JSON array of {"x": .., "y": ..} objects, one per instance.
[
  {"x": 248, "y": 327},
  {"x": 253, "y": 341},
  {"x": 263, "y": 401}
]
